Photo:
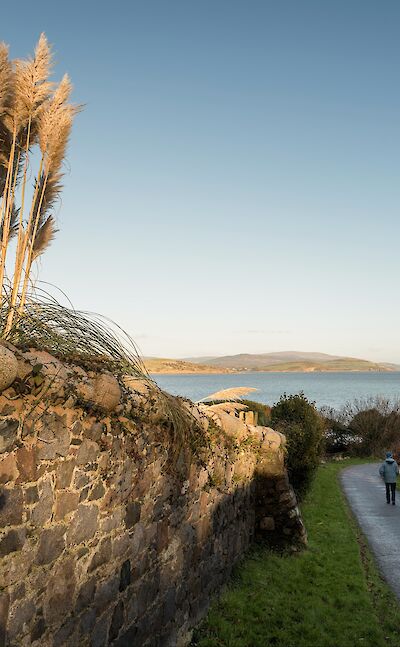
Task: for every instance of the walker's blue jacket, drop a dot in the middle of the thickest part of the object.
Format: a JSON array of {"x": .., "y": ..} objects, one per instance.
[{"x": 389, "y": 470}]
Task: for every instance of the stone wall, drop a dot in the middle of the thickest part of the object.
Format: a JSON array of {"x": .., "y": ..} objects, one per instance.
[{"x": 103, "y": 539}]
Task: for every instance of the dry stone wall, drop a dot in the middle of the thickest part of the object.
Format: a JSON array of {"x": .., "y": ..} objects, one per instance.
[{"x": 102, "y": 540}]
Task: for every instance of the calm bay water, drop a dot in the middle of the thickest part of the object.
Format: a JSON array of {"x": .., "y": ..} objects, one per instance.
[{"x": 332, "y": 389}]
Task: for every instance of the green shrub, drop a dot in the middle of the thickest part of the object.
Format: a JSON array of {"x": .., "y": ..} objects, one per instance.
[
  {"x": 299, "y": 420},
  {"x": 263, "y": 410}
]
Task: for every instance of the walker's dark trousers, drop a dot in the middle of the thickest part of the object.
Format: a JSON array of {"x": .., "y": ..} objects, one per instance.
[{"x": 390, "y": 487}]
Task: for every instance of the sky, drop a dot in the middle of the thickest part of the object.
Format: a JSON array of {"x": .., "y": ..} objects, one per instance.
[{"x": 233, "y": 183}]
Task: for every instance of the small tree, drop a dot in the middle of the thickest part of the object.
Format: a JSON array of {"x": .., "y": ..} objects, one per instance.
[
  {"x": 299, "y": 420},
  {"x": 35, "y": 123}
]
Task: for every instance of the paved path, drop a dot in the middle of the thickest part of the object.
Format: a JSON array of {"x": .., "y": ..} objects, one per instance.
[{"x": 380, "y": 522}]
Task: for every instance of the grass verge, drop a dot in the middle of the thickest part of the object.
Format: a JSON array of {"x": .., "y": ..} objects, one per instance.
[{"x": 331, "y": 595}]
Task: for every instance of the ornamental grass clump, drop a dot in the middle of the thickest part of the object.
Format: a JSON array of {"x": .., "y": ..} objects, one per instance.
[{"x": 36, "y": 117}]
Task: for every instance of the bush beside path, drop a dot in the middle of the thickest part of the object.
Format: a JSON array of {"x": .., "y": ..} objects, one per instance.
[{"x": 330, "y": 595}]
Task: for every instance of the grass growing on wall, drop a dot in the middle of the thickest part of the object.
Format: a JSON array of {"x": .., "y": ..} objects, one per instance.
[{"x": 331, "y": 595}]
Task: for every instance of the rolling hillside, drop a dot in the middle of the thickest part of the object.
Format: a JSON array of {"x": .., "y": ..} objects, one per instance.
[{"x": 287, "y": 361}]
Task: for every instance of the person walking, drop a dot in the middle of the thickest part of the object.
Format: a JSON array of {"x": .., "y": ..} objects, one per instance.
[{"x": 389, "y": 471}]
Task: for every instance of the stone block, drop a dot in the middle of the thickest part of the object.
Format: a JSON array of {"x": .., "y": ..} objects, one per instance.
[
  {"x": 132, "y": 516},
  {"x": 8, "y": 434},
  {"x": 86, "y": 594},
  {"x": 116, "y": 621},
  {"x": 64, "y": 473},
  {"x": 125, "y": 575},
  {"x": 19, "y": 617},
  {"x": 106, "y": 593},
  {"x": 26, "y": 463},
  {"x": 87, "y": 622},
  {"x": 102, "y": 554},
  {"x": 38, "y": 629},
  {"x": 87, "y": 452},
  {"x": 267, "y": 523},
  {"x": 12, "y": 541},
  {"x": 51, "y": 544},
  {"x": 8, "y": 368},
  {"x": 97, "y": 491},
  {"x": 106, "y": 392},
  {"x": 66, "y": 502},
  {"x": 10, "y": 507},
  {"x": 100, "y": 632},
  {"x": 31, "y": 494},
  {"x": 43, "y": 509},
  {"x": 121, "y": 544},
  {"x": 112, "y": 520},
  {"x": 8, "y": 469},
  {"x": 60, "y": 591},
  {"x": 83, "y": 525}
]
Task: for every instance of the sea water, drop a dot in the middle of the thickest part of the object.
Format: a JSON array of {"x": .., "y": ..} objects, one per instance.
[{"x": 325, "y": 389}]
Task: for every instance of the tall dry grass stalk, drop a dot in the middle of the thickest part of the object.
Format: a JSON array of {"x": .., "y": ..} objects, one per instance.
[{"x": 36, "y": 117}]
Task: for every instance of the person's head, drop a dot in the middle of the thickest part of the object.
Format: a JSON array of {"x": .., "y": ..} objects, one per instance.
[{"x": 389, "y": 455}]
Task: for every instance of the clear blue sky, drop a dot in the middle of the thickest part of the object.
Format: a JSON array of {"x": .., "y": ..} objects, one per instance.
[{"x": 234, "y": 181}]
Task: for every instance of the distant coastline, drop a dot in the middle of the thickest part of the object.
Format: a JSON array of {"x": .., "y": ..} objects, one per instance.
[{"x": 285, "y": 362}]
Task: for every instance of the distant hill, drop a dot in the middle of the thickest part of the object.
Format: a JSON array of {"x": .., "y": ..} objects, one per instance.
[
  {"x": 292, "y": 361},
  {"x": 163, "y": 365}
]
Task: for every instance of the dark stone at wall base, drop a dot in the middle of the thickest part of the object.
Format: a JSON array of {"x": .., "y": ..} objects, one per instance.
[
  {"x": 38, "y": 629},
  {"x": 85, "y": 595},
  {"x": 51, "y": 544},
  {"x": 117, "y": 621},
  {"x": 12, "y": 541},
  {"x": 4, "y": 605},
  {"x": 10, "y": 507},
  {"x": 100, "y": 632},
  {"x": 132, "y": 514},
  {"x": 125, "y": 576}
]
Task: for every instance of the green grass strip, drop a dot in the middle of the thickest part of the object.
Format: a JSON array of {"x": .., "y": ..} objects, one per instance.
[{"x": 330, "y": 595}]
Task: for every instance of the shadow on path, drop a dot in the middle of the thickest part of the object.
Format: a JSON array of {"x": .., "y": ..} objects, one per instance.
[{"x": 365, "y": 492}]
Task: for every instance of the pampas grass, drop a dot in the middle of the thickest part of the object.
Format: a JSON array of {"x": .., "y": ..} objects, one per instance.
[{"x": 34, "y": 114}]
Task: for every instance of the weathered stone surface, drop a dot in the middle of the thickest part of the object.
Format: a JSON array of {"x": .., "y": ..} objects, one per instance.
[
  {"x": 100, "y": 631},
  {"x": 64, "y": 473},
  {"x": 125, "y": 576},
  {"x": 267, "y": 523},
  {"x": 97, "y": 491},
  {"x": 31, "y": 494},
  {"x": 51, "y": 544},
  {"x": 117, "y": 621},
  {"x": 106, "y": 593},
  {"x": 86, "y": 594},
  {"x": 59, "y": 595},
  {"x": 107, "y": 392},
  {"x": 38, "y": 629},
  {"x": 121, "y": 545},
  {"x": 66, "y": 502},
  {"x": 54, "y": 438},
  {"x": 4, "y": 605},
  {"x": 12, "y": 541},
  {"x": 16, "y": 567},
  {"x": 132, "y": 516},
  {"x": 83, "y": 525},
  {"x": 10, "y": 507},
  {"x": 8, "y": 368},
  {"x": 87, "y": 452},
  {"x": 8, "y": 469},
  {"x": 139, "y": 560},
  {"x": 87, "y": 622},
  {"x": 26, "y": 462},
  {"x": 43, "y": 509},
  {"x": 8, "y": 433},
  {"x": 102, "y": 555},
  {"x": 20, "y": 615}
]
